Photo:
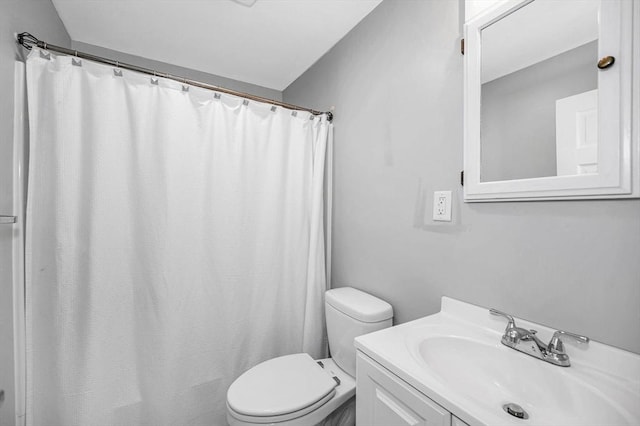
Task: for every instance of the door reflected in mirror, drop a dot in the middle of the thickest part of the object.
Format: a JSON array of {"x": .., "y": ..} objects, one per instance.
[{"x": 539, "y": 92}]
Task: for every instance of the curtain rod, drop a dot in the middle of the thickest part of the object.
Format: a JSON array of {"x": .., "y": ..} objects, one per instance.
[{"x": 28, "y": 41}]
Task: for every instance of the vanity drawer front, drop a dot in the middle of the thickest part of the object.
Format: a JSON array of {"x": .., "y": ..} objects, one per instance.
[{"x": 383, "y": 399}]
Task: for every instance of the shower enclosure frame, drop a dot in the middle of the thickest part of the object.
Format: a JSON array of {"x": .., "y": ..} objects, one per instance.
[{"x": 19, "y": 202}]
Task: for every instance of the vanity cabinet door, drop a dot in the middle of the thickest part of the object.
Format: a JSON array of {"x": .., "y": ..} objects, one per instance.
[
  {"x": 383, "y": 399},
  {"x": 457, "y": 422}
]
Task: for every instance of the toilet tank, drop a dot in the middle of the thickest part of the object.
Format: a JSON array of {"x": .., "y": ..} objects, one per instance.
[{"x": 351, "y": 313}]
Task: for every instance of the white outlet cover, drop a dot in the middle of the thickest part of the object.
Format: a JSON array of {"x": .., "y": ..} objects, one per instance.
[{"x": 442, "y": 206}]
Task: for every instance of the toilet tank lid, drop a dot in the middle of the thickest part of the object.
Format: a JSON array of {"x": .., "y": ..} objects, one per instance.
[{"x": 358, "y": 304}]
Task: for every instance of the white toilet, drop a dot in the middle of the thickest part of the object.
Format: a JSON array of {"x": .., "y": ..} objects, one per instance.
[{"x": 295, "y": 390}]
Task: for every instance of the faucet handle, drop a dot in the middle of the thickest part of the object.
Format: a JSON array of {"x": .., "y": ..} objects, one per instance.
[
  {"x": 557, "y": 346},
  {"x": 510, "y": 324}
]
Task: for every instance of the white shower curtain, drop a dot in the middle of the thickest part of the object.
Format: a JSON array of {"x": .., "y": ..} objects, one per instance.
[{"x": 175, "y": 239}]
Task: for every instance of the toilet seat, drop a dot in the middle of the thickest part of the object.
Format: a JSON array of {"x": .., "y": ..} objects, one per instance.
[{"x": 280, "y": 389}]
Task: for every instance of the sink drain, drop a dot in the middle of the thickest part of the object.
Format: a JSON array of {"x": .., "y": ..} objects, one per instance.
[{"x": 515, "y": 410}]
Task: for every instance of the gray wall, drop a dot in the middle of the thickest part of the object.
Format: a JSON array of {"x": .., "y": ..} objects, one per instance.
[
  {"x": 396, "y": 83},
  {"x": 179, "y": 71},
  {"x": 518, "y": 134},
  {"x": 40, "y": 18}
]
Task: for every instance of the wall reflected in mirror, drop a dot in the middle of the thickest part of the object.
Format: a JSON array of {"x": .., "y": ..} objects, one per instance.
[{"x": 539, "y": 93}]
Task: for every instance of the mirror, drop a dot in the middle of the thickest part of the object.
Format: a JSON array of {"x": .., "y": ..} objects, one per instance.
[
  {"x": 532, "y": 81},
  {"x": 542, "y": 120}
]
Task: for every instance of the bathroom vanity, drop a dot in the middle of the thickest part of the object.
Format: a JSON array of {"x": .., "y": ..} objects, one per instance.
[{"x": 451, "y": 368}]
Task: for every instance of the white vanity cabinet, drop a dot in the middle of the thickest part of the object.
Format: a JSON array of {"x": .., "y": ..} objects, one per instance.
[{"x": 383, "y": 399}]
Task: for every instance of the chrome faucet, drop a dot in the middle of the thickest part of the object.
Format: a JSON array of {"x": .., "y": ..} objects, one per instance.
[{"x": 526, "y": 341}]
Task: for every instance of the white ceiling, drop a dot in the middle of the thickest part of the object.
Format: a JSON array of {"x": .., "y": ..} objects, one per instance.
[{"x": 265, "y": 42}]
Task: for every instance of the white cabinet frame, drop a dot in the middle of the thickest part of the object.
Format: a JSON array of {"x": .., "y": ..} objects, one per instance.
[{"x": 618, "y": 109}]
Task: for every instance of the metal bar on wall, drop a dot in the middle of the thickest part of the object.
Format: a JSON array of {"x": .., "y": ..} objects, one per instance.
[{"x": 29, "y": 41}]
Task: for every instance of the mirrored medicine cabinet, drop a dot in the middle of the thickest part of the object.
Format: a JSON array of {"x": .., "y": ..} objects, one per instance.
[{"x": 551, "y": 100}]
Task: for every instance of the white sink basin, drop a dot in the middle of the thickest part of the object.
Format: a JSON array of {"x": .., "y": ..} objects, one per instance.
[
  {"x": 455, "y": 357},
  {"x": 495, "y": 375}
]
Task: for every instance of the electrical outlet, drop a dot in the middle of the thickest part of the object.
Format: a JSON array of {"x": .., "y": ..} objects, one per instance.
[{"x": 442, "y": 206}]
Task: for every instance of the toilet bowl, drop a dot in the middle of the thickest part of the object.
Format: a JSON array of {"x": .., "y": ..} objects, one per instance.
[
  {"x": 296, "y": 390},
  {"x": 293, "y": 390}
]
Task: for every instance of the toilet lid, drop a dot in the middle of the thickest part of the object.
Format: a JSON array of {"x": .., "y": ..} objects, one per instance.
[{"x": 280, "y": 386}]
